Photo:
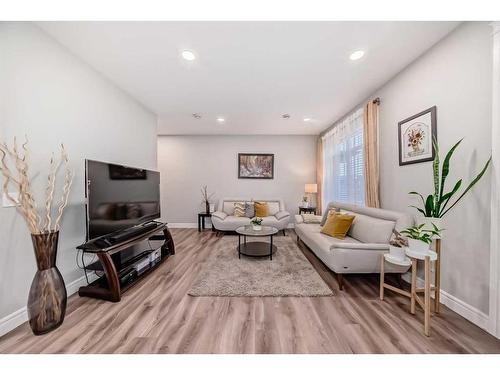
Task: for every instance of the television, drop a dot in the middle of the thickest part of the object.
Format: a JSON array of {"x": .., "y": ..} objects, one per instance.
[{"x": 119, "y": 197}]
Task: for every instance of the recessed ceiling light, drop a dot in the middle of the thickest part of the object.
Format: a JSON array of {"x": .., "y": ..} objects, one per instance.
[
  {"x": 307, "y": 119},
  {"x": 188, "y": 55},
  {"x": 221, "y": 120},
  {"x": 356, "y": 55}
]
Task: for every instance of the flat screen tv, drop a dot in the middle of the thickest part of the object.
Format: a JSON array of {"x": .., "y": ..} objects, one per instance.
[{"x": 119, "y": 197}]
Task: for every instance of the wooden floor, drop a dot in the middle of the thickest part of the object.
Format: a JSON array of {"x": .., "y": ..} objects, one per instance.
[{"x": 157, "y": 316}]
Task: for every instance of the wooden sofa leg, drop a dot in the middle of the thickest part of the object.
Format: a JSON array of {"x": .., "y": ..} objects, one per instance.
[
  {"x": 284, "y": 233},
  {"x": 340, "y": 280}
]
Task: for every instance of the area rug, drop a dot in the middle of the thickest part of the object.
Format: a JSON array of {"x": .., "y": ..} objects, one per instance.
[{"x": 288, "y": 274}]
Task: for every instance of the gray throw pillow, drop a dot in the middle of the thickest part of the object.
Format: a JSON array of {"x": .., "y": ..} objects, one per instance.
[{"x": 249, "y": 209}]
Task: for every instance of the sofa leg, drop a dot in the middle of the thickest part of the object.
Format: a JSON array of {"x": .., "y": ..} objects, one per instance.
[
  {"x": 340, "y": 280},
  {"x": 298, "y": 240},
  {"x": 284, "y": 233}
]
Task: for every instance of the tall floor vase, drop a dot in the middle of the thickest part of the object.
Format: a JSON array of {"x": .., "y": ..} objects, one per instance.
[{"x": 47, "y": 297}]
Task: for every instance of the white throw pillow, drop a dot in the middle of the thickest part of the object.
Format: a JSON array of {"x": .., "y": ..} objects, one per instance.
[
  {"x": 228, "y": 207},
  {"x": 273, "y": 208},
  {"x": 311, "y": 218}
]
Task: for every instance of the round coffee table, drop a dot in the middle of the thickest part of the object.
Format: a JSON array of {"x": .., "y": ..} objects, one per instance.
[{"x": 256, "y": 248}]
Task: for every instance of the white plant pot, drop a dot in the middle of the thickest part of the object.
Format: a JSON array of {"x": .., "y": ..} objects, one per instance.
[
  {"x": 428, "y": 221},
  {"x": 397, "y": 252},
  {"x": 256, "y": 227},
  {"x": 418, "y": 246}
]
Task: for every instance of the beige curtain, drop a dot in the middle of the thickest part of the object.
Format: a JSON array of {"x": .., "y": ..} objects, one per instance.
[
  {"x": 370, "y": 141},
  {"x": 319, "y": 174}
]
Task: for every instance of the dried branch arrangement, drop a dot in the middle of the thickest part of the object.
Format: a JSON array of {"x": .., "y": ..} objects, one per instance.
[
  {"x": 206, "y": 198},
  {"x": 14, "y": 167}
]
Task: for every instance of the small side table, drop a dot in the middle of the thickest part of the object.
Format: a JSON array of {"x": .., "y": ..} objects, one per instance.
[
  {"x": 307, "y": 210},
  {"x": 201, "y": 220}
]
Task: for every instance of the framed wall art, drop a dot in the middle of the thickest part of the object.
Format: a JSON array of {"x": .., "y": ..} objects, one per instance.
[
  {"x": 415, "y": 135},
  {"x": 259, "y": 166}
]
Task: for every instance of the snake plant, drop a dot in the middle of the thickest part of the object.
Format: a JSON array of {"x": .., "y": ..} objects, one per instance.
[{"x": 437, "y": 204}]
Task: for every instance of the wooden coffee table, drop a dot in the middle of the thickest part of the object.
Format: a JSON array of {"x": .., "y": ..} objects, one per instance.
[{"x": 256, "y": 248}]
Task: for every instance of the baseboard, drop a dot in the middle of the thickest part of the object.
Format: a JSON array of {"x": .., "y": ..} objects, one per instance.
[
  {"x": 13, "y": 320},
  {"x": 20, "y": 316},
  {"x": 462, "y": 308},
  {"x": 183, "y": 225}
]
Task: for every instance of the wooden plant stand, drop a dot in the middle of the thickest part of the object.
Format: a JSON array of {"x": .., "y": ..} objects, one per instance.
[{"x": 413, "y": 295}]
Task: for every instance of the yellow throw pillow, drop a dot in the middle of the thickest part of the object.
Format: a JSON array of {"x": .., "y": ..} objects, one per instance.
[
  {"x": 261, "y": 209},
  {"x": 337, "y": 225}
]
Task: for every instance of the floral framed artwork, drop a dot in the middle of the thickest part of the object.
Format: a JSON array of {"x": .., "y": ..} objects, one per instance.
[
  {"x": 415, "y": 135},
  {"x": 260, "y": 166}
]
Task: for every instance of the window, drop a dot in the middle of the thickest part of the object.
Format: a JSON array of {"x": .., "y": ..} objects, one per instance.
[{"x": 343, "y": 161}]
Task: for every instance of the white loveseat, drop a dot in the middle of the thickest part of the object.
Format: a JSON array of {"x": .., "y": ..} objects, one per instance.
[
  {"x": 224, "y": 220},
  {"x": 366, "y": 240}
]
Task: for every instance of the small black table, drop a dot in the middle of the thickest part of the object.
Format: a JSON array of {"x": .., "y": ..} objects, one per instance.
[
  {"x": 201, "y": 220},
  {"x": 307, "y": 210}
]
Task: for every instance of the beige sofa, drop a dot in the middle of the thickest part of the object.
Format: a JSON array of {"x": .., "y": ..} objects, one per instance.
[
  {"x": 366, "y": 240},
  {"x": 224, "y": 220}
]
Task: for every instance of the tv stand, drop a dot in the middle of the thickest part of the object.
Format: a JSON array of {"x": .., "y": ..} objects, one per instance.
[{"x": 115, "y": 282}]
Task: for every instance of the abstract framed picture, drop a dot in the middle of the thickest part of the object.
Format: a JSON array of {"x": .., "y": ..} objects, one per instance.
[
  {"x": 415, "y": 135},
  {"x": 258, "y": 166}
]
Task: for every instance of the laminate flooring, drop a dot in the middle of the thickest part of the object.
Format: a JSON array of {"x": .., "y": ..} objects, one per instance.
[{"x": 157, "y": 316}]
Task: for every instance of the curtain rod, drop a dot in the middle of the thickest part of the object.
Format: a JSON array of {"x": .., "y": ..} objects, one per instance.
[{"x": 374, "y": 101}]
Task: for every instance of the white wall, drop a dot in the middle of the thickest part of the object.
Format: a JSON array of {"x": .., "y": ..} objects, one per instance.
[
  {"x": 187, "y": 163},
  {"x": 456, "y": 76},
  {"x": 48, "y": 94}
]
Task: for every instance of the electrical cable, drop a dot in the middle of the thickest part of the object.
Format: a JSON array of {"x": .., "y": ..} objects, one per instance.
[{"x": 85, "y": 268}]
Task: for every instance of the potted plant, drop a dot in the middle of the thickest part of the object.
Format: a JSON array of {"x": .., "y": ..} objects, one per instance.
[
  {"x": 305, "y": 202},
  {"x": 206, "y": 198},
  {"x": 438, "y": 204},
  {"x": 397, "y": 245},
  {"x": 420, "y": 239},
  {"x": 256, "y": 223},
  {"x": 47, "y": 295}
]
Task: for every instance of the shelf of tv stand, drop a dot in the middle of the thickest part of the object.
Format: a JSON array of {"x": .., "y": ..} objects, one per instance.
[
  {"x": 102, "y": 282},
  {"x": 108, "y": 287},
  {"x": 92, "y": 247}
]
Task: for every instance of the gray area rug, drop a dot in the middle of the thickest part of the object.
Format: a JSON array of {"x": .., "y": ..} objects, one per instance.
[{"x": 288, "y": 274}]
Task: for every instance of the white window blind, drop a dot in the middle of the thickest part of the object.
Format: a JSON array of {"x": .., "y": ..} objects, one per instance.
[{"x": 343, "y": 173}]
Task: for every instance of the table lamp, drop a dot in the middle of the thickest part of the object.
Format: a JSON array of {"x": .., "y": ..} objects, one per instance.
[{"x": 308, "y": 190}]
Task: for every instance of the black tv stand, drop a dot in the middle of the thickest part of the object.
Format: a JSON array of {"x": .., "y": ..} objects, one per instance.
[{"x": 111, "y": 286}]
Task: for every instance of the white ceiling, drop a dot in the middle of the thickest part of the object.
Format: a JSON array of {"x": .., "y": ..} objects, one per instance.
[{"x": 248, "y": 72}]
